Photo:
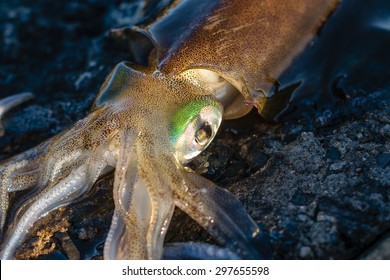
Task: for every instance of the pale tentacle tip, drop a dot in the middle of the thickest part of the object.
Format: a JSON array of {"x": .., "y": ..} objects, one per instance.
[{"x": 9, "y": 102}]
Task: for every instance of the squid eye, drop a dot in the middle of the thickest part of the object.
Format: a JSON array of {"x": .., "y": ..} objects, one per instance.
[{"x": 204, "y": 134}]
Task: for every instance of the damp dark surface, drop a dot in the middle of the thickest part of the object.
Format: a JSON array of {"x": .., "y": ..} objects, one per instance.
[
  {"x": 347, "y": 59},
  {"x": 317, "y": 182}
]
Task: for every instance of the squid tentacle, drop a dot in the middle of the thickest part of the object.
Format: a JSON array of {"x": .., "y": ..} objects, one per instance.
[
  {"x": 223, "y": 216},
  {"x": 35, "y": 169},
  {"x": 7, "y": 103},
  {"x": 161, "y": 215},
  {"x": 125, "y": 172},
  {"x": 19, "y": 173},
  {"x": 158, "y": 184},
  {"x": 112, "y": 245},
  {"x": 142, "y": 213},
  {"x": 72, "y": 187},
  {"x": 59, "y": 195},
  {"x": 56, "y": 191}
]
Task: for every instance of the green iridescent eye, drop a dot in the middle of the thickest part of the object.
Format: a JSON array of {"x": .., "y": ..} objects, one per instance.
[
  {"x": 193, "y": 126},
  {"x": 186, "y": 115}
]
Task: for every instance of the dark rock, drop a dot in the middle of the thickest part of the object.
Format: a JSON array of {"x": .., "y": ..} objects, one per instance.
[
  {"x": 337, "y": 166},
  {"x": 383, "y": 160},
  {"x": 305, "y": 154},
  {"x": 333, "y": 153}
]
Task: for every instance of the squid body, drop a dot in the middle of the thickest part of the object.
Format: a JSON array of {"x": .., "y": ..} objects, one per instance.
[{"x": 197, "y": 63}]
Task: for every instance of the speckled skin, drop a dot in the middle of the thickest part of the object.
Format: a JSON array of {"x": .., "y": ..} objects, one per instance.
[
  {"x": 128, "y": 129},
  {"x": 117, "y": 135},
  {"x": 249, "y": 43}
]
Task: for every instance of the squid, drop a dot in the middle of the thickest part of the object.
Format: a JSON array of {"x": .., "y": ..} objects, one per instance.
[{"x": 198, "y": 63}]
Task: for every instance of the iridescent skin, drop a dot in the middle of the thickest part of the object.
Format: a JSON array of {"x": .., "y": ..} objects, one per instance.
[
  {"x": 121, "y": 133},
  {"x": 148, "y": 122}
]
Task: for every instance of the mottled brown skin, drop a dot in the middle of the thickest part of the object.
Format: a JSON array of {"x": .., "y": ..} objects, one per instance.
[{"x": 247, "y": 42}]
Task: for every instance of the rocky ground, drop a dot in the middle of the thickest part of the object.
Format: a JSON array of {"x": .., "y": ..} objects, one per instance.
[{"x": 318, "y": 184}]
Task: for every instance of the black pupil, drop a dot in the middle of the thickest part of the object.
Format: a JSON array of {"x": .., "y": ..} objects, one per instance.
[{"x": 203, "y": 134}]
